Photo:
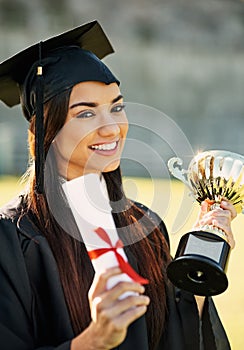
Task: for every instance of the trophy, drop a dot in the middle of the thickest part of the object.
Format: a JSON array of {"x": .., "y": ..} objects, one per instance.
[{"x": 202, "y": 256}]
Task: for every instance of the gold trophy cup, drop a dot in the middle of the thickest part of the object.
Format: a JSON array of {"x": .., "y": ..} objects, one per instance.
[{"x": 202, "y": 256}]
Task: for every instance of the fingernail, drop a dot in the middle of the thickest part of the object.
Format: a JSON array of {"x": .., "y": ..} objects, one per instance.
[
  {"x": 142, "y": 289},
  {"x": 147, "y": 300}
]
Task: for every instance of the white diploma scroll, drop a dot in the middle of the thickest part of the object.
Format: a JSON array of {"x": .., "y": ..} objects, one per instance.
[{"x": 88, "y": 199}]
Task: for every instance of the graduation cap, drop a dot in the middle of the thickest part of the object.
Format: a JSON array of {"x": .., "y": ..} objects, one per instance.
[{"x": 45, "y": 69}]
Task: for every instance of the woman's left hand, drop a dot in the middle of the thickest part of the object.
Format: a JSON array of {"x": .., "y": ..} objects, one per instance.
[{"x": 218, "y": 217}]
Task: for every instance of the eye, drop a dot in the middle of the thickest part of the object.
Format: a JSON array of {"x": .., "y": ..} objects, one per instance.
[
  {"x": 118, "y": 108},
  {"x": 85, "y": 114}
]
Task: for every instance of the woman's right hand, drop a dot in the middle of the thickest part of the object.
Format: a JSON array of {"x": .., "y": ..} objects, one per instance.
[{"x": 110, "y": 315}]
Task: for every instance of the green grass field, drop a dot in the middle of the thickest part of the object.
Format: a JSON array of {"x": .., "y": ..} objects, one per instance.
[{"x": 171, "y": 201}]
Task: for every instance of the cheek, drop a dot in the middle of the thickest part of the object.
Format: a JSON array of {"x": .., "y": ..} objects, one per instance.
[
  {"x": 126, "y": 129},
  {"x": 80, "y": 151},
  {"x": 124, "y": 126},
  {"x": 71, "y": 137}
]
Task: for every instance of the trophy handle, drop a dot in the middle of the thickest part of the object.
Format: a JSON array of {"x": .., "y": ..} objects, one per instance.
[{"x": 175, "y": 167}]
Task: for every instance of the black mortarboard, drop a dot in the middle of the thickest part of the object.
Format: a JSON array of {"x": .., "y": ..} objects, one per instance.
[{"x": 49, "y": 67}]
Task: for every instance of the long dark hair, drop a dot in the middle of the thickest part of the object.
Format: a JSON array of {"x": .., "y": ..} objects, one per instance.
[{"x": 76, "y": 272}]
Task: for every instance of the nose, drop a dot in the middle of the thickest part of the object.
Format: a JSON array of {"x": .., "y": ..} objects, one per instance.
[{"x": 109, "y": 127}]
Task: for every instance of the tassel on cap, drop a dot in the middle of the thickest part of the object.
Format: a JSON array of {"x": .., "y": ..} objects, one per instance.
[{"x": 39, "y": 129}]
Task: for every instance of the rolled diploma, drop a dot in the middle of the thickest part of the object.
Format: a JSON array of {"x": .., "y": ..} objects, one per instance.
[{"x": 88, "y": 199}]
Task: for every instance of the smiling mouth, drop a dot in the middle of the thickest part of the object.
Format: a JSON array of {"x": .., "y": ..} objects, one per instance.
[{"x": 105, "y": 146}]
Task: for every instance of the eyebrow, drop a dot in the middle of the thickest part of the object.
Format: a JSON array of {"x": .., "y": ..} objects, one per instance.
[{"x": 94, "y": 104}]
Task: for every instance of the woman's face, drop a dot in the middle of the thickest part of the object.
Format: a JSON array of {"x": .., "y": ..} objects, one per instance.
[{"x": 93, "y": 136}]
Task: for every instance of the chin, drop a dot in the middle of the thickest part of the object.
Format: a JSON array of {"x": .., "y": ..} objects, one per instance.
[{"x": 111, "y": 167}]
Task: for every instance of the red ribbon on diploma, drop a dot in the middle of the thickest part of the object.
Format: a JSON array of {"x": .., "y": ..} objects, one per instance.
[{"x": 124, "y": 265}]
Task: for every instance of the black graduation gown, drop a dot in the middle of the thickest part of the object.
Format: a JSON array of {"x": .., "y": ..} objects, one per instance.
[{"x": 33, "y": 312}]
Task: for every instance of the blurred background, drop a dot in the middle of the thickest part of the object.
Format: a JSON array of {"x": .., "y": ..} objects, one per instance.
[
  {"x": 182, "y": 57},
  {"x": 178, "y": 58}
]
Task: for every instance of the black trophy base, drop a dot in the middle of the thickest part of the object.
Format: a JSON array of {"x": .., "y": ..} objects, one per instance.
[{"x": 200, "y": 264}]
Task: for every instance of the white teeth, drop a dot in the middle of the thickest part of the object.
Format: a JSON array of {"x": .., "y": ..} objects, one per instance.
[{"x": 105, "y": 146}]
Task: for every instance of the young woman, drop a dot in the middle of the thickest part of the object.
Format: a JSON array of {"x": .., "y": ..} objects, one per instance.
[{"x": 50, "y": 295}]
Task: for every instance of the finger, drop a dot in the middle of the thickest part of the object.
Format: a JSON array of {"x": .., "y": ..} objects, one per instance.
[
  {"x": 131, "y": 315},
  {"x": 227, "y": 230},
  {"x": 95, "y": 306},
  {"x": 204, "y": 208},
  {"x": 222, "y": 223},
  {"x": 119, "y": 307},
  {"x": 202, "y": 213},
  {"x": 100, "y": 281},
  {"x": 219, "y": 222},
  {"x": 230, "y": 207},
  {"x": 216, "y": 214},
  {"x": 111, "y": 296},
  {"x": 123, "y": 287}
]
